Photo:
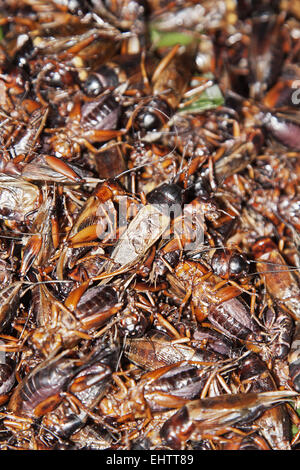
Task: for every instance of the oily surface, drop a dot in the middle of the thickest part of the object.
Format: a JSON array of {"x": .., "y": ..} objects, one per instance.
[{"x": 149, "y": 225}]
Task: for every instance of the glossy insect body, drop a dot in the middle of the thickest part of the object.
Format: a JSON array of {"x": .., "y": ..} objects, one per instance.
[
  {"x": 214, "y": 341},
  {"x": 266, "y": 51},
  {"x": 279, "y": 280},
  {"x": 100, "y": 114},
  {"x": 9, "y": 302},
  {"x": 90, "y": 437},
  {"x": 184, "y": 381},
  {"x": 92, "y": 221},
  {"x": 99, "y": 80},
  {"x": 123, "y": 68},
  {"x": 157, "y": 350},
  {"x": 60, "y": 424},
  {"x": 168, "y": 87},
  {"x": 159, "y": 390},
  {"x": 187, "y": 232},
  {"x": 23, "y": 120},
  {"x": 88, "y": 387},
  {"x": 280, "y": 327},
  {"x": 224, "y": 309},
  {"x": 254, "y": 375},
  {"x": 27, "y": 140},
  {"x": 18, "y": 197},
  {"x": 39, "y": 247},
  {"x": 84, "y": 310},
  {"x": 284, "y": 127},
  {"x": 136, "y": 318},
  {"x": 93, "y": 121},
  {"x": 253, "y": 442},
  {"x": 233, "y": 318},
  {"x": 40, "y": 392},
  {"x": 43, "y": 389},
  {"x": 7, "y": 376},
  {"x": 212, "y": 414},
  {"x": 294, "y": 358},
  {"x": 274, "y": 423},
  {"x": 228, "y": 264},
  {"x": 147, "y": 227},
  {"x": 97, "y": 305},
  {"x": 139, "y": 309}
]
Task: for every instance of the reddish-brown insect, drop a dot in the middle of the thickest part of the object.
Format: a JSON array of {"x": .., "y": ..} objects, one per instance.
[{"x": 149, "y": 219}]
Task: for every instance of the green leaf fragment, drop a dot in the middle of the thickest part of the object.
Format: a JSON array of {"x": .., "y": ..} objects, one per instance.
[
  {"x": 170, "y": 38},
  {"x": 294, "y": 430},
  {"x": 209, "y": 99}
]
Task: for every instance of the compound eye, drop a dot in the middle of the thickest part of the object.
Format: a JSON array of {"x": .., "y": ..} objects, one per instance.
[
  {"x": 92, "y": 86},
  {"x": 238, "y": 265},
  {"x": 154, "y": 115},
  {"x": 150, "y": 121}
]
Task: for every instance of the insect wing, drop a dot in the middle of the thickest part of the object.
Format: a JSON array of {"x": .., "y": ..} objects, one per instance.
[{"x": 142, "y": 233}]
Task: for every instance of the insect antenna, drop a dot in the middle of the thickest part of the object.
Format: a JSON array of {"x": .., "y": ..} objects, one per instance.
[
  {"x": 138, "y": 138},
  {"x": 288, "y": 268}
]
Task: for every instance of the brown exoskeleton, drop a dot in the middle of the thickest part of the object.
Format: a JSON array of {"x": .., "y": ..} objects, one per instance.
[
  {"x": 81, "y": 381},
  {"x": 169, "y": 82},
  {"x": 63, "y": 324},
  {"x": 222, "y": 306},
  {"x": 267, "y": 49},
  {"x": 97, "y": 219},
  {"x": 157, "y": 350},
  {"x": 144, "y": 230},
  {"x": 88, "y": 387},
  {"x": 163, "y": 388},
  {"x": 274, "y": 424},
  {"x": 211, "y": 415},
  {"x": 280, "y": 282},
  {"x": 293, "y": 359}
]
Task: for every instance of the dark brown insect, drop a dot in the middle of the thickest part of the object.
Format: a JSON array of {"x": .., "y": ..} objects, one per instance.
[
  {"x": 274, "y": 423},
  {"x": 293, "y": 359},
  {"x": 280, "y": 281},
  {"x": 149, "y": 219},
  {"x": 41, "y": 391},
  {"x": 229, "y": 264},
  {"x": 203, "y": 416}
]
